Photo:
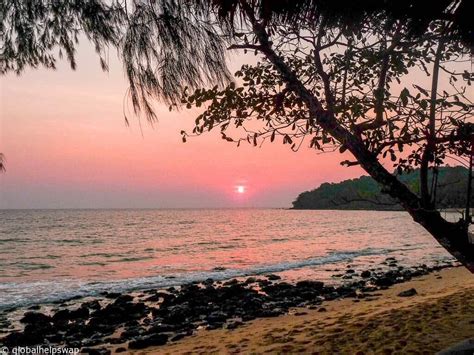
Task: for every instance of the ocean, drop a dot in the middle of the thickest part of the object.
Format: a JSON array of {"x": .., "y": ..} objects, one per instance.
[{"x": 51, "y": 255}]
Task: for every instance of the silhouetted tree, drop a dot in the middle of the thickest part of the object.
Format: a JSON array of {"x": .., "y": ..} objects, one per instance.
[
  {"x": 330, "y": 71},
  {"x": 349, "y": 88},
  {"x": 2, "y": 163}
]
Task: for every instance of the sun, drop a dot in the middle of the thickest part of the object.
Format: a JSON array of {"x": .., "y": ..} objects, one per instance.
[{"x": 240, "y": 189}]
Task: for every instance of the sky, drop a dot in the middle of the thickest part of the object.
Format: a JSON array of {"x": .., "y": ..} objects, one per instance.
[{"x": 67, "y": 146}]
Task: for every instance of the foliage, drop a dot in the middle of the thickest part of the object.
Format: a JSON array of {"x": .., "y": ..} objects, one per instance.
[
  {"x": 2, "y": 162},
  {"x": 168, "y": 45},
  {"x": 363, "y": 78},
  {"x": 37, "y": 32},
  {"x": 364, "y": 193}
]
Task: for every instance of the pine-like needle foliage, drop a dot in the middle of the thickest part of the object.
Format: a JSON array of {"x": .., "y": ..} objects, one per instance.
[
  {"x": 36, "y": 32},
  {"x": 170, "y": 45}
]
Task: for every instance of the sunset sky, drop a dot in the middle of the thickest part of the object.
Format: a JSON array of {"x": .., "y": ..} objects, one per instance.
[{"x": 67, "y": 146}]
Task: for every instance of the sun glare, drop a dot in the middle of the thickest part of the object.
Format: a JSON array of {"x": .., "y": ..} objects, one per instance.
[{"x": 240, "y": 189}]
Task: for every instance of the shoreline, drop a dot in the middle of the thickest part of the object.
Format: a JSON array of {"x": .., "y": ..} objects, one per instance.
[
  {"x": 320, "y": 268},
  {"x": 132, "y": 321},
  {"x": 439, "y": 315}
]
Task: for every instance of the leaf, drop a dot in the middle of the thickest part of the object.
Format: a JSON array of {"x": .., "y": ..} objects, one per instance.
[
  {"x": 423, "y": 91},
  {"x": 272, "y": 137},
  {"x": 404, "y": 94}
]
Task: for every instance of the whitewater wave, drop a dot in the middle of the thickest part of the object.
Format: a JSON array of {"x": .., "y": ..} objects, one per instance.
[{"x": 15, "y": 294}]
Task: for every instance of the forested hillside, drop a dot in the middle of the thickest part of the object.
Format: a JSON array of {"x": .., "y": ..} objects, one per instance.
[{"x": 364, "y": 193}]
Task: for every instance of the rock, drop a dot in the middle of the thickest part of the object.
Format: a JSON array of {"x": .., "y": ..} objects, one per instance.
[
  {"x": 301, "y": 313},
  {"x": 35, "y": 318},
  {"x": 248, "y": 317},
  {"x": 61, "y": 316},
  {"x": 219, "y": 268},
  {"x": 94, "y": 305},
  {"x": 214, "y": 326},
  {"x": 178, "y": 336},
  {"x": 120, "y": 350},
  {"x": 152, "y": 298},
  {"x": 322, "y": 309},
  {"x": 57, "y": 337},
  {"x": 250, "y": 280},
  {"x": 365, "y": 274},
  {"x": 234, "y": 324},
  {"x": 350, "y": 271},
  {"x": 162, "y": 328},
  {"x": 217, "y": 317},
  {"x": 268, "y": 313},
  {"x": 315, "y": 285},
  {"x": 177, "y": 314},
  {"x": 123, "y": 299},
  {"x": 408, "y": 293},
  {"x": 120, "y": 311},
  {"x": 147, "y": 341},
  {"x": 231, "y": 282},
  {"x": 236, "y": 291},
  {"x": 80, "y": 313},
  {"x": 131, "y": 332},
  {"x": 28, "y": 338},
  {"x": 273, "y": 277},
  {"x": 208, "y": 281},
  {"x": 92, "y": 341},
  {"x": 384, "y": 281}
]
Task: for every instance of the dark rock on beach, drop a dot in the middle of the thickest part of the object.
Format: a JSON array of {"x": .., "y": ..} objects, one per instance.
[
  {"x": 313, "y": 285},
  {"x": 155, "y": 317},
  {"x": 147, "y": 341},
  {"x": 35, "y": 318},
  {"x": 408, "y": 293}
]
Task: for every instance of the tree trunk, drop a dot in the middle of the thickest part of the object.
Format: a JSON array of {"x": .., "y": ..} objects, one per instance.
[{"x": 450, "y": 235}]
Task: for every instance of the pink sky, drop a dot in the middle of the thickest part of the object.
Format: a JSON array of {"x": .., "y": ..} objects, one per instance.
[{"x": 67, "y": 146}]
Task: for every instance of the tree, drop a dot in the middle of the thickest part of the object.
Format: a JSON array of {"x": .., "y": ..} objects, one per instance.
[
  {"x": 335, "y": 78},
  {"x": 2, "y": 163},
  {"x": 337, "y": 86}
]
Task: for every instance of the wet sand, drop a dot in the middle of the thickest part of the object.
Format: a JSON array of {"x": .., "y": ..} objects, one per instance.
[{"x": 439, "y": 315}]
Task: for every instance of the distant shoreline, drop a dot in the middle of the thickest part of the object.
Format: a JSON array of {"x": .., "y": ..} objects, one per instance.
[{"x": 364, "y": 193}]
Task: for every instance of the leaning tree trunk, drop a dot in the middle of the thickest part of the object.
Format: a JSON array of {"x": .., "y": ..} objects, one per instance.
[{"x": 450, "y": 235}]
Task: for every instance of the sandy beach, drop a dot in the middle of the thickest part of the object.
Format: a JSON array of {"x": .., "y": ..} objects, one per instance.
[{"x": 439, "y": 315}]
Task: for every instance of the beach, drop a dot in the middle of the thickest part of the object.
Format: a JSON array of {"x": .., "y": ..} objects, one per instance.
[
  {"x": 314, "y": 281},
  {"x": 417, "y": 310},
  {"x": 439, "y": 315}
]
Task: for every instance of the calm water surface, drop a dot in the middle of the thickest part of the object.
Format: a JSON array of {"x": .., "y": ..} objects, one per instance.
[{"x": 54, "y": 254}]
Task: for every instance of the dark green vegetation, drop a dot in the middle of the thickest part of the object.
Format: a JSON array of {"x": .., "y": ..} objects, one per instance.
[{"x": 364, "y": 193}]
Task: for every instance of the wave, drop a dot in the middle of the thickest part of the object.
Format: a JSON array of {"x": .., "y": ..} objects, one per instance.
[{"x": 15, "y": 294}]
